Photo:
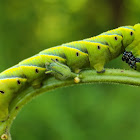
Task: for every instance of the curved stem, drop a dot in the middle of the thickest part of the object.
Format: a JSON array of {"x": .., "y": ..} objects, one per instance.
[{"x": 87, "y": 76}]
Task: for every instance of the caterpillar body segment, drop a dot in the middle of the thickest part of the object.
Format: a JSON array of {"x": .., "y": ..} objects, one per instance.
[
  {"x": 114, "y": 43},
  {"x": 40, "y": 60},
  {"x": 72, "y": 55},
  {"x": 8, "y": 86},
  {"x": 126, "y": 32},
  {"x": 91, "y": 50},
  {"x": 29, "y": 72},
  {"x": 63, "y": 62},
  {"x": 132, "y": 51},
  {"x": 99, "y": 57}
]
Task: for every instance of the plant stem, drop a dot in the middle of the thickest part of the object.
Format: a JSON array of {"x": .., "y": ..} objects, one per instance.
[{"x": 87, "y": 76}]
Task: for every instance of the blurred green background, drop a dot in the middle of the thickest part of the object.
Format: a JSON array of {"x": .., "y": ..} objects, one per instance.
[{"x": 97, "y": 111}]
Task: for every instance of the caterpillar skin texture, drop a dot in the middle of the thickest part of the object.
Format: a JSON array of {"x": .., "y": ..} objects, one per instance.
[{"x": 64, "y": 62}]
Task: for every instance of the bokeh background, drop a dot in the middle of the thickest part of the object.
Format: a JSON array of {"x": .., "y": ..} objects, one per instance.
[{"x": 97, "y": 111}]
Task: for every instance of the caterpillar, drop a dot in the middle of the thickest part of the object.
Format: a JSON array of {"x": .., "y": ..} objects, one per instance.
[{"x": 64, "y": 62}]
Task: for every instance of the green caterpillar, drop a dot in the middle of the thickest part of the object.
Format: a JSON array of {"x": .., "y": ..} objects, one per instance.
[{"x": 64, "y": 62}]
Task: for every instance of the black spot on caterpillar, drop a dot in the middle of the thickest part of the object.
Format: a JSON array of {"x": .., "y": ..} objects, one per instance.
[
  {"x": 77, "y": 54},
  {"x": 18, "y": 81},
  {"x": 98, "y": 47},
  {"x": 116, "y": 38},
  {"x": 36, "y": 70},
  {"x": 1, "y": 91},
  {"x": 17, "y": 107},
  {"x": 131, "y": 33},
  {"x": 65, "y": 61}
]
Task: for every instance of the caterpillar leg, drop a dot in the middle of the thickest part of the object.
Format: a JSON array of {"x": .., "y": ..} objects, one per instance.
[
  {"x": 99, "y": 68},
  {"x": 59, "y": 70}
]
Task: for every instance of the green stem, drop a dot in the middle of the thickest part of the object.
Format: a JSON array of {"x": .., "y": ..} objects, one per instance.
[{"x": 87, "y": 76}]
